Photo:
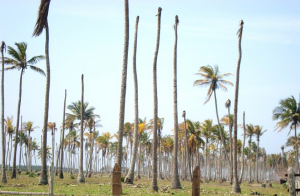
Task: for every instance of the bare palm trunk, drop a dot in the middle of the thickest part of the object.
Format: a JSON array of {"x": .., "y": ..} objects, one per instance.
[
  {"x": 80, "y": 178},
  {"x": 228, "y": 104},
  {"x": 236, "y": 187},
  {"x": 175, "y": 177},
  {"x": 43, "y": 177},
  {"x": 20, "y": 153},
  {"x": 243, "y": 151},
  {"x": 257, "y": 150},
  {"x": 3, "y": 179},
  {"x": 130, "y": 176},
  {"x": 154, "y": 186},
  {"x": 249, "y": 166},
  {"x": 123, "y": 86},
  {"x": 61, "y": 174},
  {"x": 14, "y": 173},
  {"x": 296, "y": 149},
  {"x": 188, "y": 158}
]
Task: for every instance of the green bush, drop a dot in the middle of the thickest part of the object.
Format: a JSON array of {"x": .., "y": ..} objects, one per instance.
[
  {"x": 27, "y": 172},
  {"x": 72, "y": 177},
  {"x": 32, "y": 174},
  {"x": 122, "y": 179}
]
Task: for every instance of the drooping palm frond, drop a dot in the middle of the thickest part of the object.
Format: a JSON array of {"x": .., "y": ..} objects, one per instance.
[
  {"x": 42, "y": 17},
  {"x": 39, "y": 70},
  {"x": 35, "y": 59}
]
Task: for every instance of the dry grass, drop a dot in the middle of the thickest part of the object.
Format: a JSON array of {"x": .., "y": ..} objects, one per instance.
[{"x": 102, "y": 186}]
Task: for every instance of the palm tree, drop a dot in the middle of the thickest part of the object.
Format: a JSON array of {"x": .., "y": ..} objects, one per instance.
[
  {"x": 10, "y": 130},
  {"x": 249, "y": 133},
  {"x": 80, "y": 178},
  {"x": 230, "y": 124},
  {"x": 289, "y": 115},
  {"x": 258, "y": 132},
  {"x": 235, "y": 186},
  {"x": 19, "y": 61},
  {"x": 175, "y": 177},
  {"x": 187, "y": 151},
  {"x": 28, "y": 126},
  {"x": 130, "y": 175},
  {"x": 3, "y": 179},
  {"x": 214, "y": 81},
  {"x": 41, "y": 23},
  {"x": 243, "y": 150},
  {"x": 61, "y": 174},
  {"x": 206, "y": 131},
  {"x": 123, "y": 85},
  {"x": 154, "y": 186}
]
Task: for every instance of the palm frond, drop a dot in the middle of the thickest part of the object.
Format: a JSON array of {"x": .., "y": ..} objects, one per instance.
[
  {"x": 15, "y": 54},
  {"x": 37, "y": 69},
  {"x": 42, "y": 17},
  {"x": 11, "y": 68},
  {"x": 35, "y": 59}
]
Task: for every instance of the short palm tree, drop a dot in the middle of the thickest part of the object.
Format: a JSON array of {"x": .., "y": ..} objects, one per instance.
[
  {"x": 288, "y": 112},
  {"x": 28, "y": 126},
  {"x": 19, "y": 61},
  {"x": 249, "y": 133},
  {"x": 213, "y": 79}
]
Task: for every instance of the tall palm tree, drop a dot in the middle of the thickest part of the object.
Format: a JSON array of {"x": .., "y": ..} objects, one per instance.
[
  {"x": 235, "y": 186},
  {"x": 214, "y": 80},
  {"x": 123, "y": 85},
  {"x": 130, "y": 175},
  {"x": 288, "y": 112},
  {"x": 154, "y": 186},
  {"x": 258, "y": 131},
  {"x": 3, "y": 179},
  {"x": 19, "y": 61},
  {"x": 81, "y": 178},
  {"x": 41, "y": 23},
  {"x": 61, "y": 174},
  {"x": 175, "y": 177}
]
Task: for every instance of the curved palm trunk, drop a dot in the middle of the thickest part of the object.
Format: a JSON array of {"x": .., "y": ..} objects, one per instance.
[
  {"x": 61, "y": 174},
  {"x": 236, "y": 187},
  {"x": 243, "y": 153},
  {"x": 175, "y": 177},
  {"x": 80, "y": 178},
  {"x": 3, "y": 179},
  {"x": 219, "y": 126},
  {"x": 130, "y": 175},
  {"x": 43, "y": 177},
  {"x": 123, "y": 86},
  {"x": 14, "y": 172},
  {"x": 154, "y": 186}
]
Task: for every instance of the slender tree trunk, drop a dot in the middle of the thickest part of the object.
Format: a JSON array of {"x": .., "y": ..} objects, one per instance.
[
  {"x": 236, "y": 187},
  {"x": 43, "y": 177},
  {"x": 257, "y": 150},
  {"x": 130, "y": 175},
  {"x": 14, "y": 173},
  {"x": 57, "y": 158},
  {"x": 3, "y": 179},
  {"x": 154, "y": 186},
  {"x": 296, "y": 149},
  {"x": 21, "y": 141},
  {"x": 159, "y": 155},
  {"x": 123, "y": 85},
  {"x": 230, "y": 137},
  {"x": 80, "y": 178},
  {"x": 61, "y": 174},
  {"x": 175, "y": 177},
  {"x": 243, "y": 148},
  {"x": 187, "y": 153}
]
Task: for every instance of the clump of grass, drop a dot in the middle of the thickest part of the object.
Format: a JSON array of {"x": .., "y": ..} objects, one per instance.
[
  {"x": 72, "y": 176},
  {"x": 27, "y": 172},
  {"x": 122, "y": 178}
]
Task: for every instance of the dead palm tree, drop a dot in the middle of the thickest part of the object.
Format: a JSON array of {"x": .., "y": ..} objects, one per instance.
[
  {"x": 3, "y": 179},
  {"x": 123, "y": 85},
  {"x": 235, "y": 186},
  {"x": 130, "y": 175},
  {"x": 81, "y": 178},
  {"x": 154, "y": 186},
  {"x": 61, "y": 174},
  {"x": 19, "y": 61},
  {"x": 41, "y": 23}
]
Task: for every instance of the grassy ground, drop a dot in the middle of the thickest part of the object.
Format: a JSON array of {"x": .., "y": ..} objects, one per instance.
[{"x": 102, "y": 186}]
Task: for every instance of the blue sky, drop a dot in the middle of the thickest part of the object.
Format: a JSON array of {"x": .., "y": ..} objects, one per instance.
[{"x": 86, "y": 37}]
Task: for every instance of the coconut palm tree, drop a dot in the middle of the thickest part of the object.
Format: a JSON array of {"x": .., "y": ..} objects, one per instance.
[
  {"x": 213, "y": 79},
  {"x": 288, "y": 112},
  {"x": 175, "y": 177},
  {"x": 187, "y": 151},
  {"x": 243, "y": 150},
  {"x": 81, "y": 178},
  {"x": 206, "y": 131},
  {"x": 28, "y": 126},
  {"x": 3, "y": 179},
  {"x": 258, "y": 131},
  {"x": 229, "y": 121},
  {"x": 123, "y": 85},
  {"x": 10, "y": 130},
  {"x": 41, "y": 23},
  {"x": 154, "y": 186},
  {"x": 249, "y": 133},
  {"x": 130, "y": 175},
  {"x": 19, "y": 61},
  {"x": 235, "y": 186}
]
